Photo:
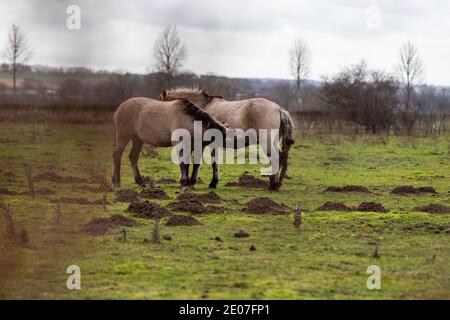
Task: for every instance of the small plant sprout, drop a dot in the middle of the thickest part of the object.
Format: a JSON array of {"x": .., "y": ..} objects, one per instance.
[
  {"x": 297, "y": 217},
  {"x": 375, "y": 253},
  {"x": 155, "y": 233}
]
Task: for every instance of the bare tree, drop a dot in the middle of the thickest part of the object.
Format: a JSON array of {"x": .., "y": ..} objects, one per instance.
[
  {"x": 299, "y": 63},
  {"x": 411, "y": 70},
  {"x": 16, "y": 53},
  {"x": 169, "y": 52}
]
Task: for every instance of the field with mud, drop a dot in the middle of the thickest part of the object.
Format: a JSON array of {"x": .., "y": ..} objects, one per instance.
[{"x": 364, "y": 200}]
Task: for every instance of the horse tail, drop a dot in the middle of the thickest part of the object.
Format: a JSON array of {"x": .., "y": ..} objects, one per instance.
[
  {"x": 286, "y": 131},
  {"x": 198, "y": 114}
]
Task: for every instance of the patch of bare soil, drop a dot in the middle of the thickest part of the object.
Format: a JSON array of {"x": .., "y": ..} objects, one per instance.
[
  {"x": 216, "y": 209},
  {"x": 371, "y": 207},
  {"x": 147, "y": 209},
  {"x": 349, "y": 189},
  {"x": 148, "y": 181},
  {"x": 8, "y": 174},
  {"x": 7, "y": 192},
  {"x": 166, "y": 181},
  {"x": 99, "y": 226},
  {"x": 404, "y": 190},
  {"x": 40, "y": 192},
  {"x": 241, "y": 234},
  {"x": 431, "y": 227},
  {"x": 334, "y": 206},
  {"x": 248, "y": 181},
  {"x": 154, "y": 193},
  {"x": 433, "y": 208},
  {"x": 427, "y": 189},
  {"x": 53, "y": 177},
  {"x": 210, "y": 197},
  {"x": 126, "y": 195},
  {"x": 192, "y": 206},
  {"x": 264, "y": 205},
  {"x": 178, "y": 220}
]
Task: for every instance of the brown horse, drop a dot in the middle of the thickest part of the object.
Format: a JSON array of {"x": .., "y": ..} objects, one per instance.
[
  {"x": 149, "y": 121},
  {"x": 244, "y": 114}
]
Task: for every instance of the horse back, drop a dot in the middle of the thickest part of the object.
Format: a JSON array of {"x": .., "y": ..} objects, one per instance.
[{"x": 151, "y": 120}]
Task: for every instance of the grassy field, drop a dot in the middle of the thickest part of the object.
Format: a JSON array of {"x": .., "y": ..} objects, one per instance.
[{"x": 326, "y": 259}]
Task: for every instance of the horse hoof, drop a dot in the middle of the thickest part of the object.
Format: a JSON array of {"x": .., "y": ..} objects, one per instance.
[
  {"x": 184, "y": 183},
  {"x": 212, "y": 186},
  {"x": 274, "y": 188}
]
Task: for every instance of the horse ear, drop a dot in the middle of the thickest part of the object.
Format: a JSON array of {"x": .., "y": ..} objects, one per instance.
[
  {"x": 163, "y": 95},
  {"x": 205, "y": 93}
]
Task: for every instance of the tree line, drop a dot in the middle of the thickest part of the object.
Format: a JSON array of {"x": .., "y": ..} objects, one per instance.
[{"x": 374, "y": 99}]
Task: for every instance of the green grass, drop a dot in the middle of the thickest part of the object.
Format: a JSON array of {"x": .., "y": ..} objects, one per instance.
[{"x": 327, "y": 259}]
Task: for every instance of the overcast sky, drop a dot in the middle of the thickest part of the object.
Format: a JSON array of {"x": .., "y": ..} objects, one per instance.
[{"x": 240, "y": 38}]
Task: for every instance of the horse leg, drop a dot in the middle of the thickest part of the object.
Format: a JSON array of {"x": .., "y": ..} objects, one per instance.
[
  {"x": 196, "y": 169},
  {"x": 134, "y": 157},
  {"x": 274, "y": 178},
  {"x": 117, "y": 158},
  {"x": 215, "y": 167},
  {"x": 194, "y": 175},
  {"x": 184, "y": 170}
]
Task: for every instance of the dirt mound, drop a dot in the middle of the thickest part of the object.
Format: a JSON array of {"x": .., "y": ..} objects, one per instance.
[
  {"x": 264, "y": 205},
  {"x": 99, "y": 226},
  {"x": 154, "y": 193},
  {"x": 216, "y": 209},
  {"x": 210, "y": 197},
  {"x": 53, "y": 177},
  {"x": 402, "y": 190},
  {"x": 348, "y": 188},
  {"x": 248, "y": 181},
  {"x": 149, "y": 210},
  {"x": 177, "y": 220},
  {"x": 192, "y": 206},
  {"x": 334, "y": 206},
  {"x": 8, "y": 174},
  {"x": 241, "y": 234},
  {"x": 166, "y": 181},
  {"x": 371, "y": 207},
  {"x": 427, "y": 189},
  {"x": 7, "y": 192},
  {"x": 148, "y": 181},
  {"x": 433, "y": 208},
  {"x": 126, "y": 195}
]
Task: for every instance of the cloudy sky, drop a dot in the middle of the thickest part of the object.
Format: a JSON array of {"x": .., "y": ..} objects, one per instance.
[{"x": 239, "y": 38}]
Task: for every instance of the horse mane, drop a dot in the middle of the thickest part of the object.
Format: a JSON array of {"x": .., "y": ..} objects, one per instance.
[
  {"x": 195, "y": 90},
  {"x": 192, "y": 92},
  {"x": 200, "y": 115}
]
